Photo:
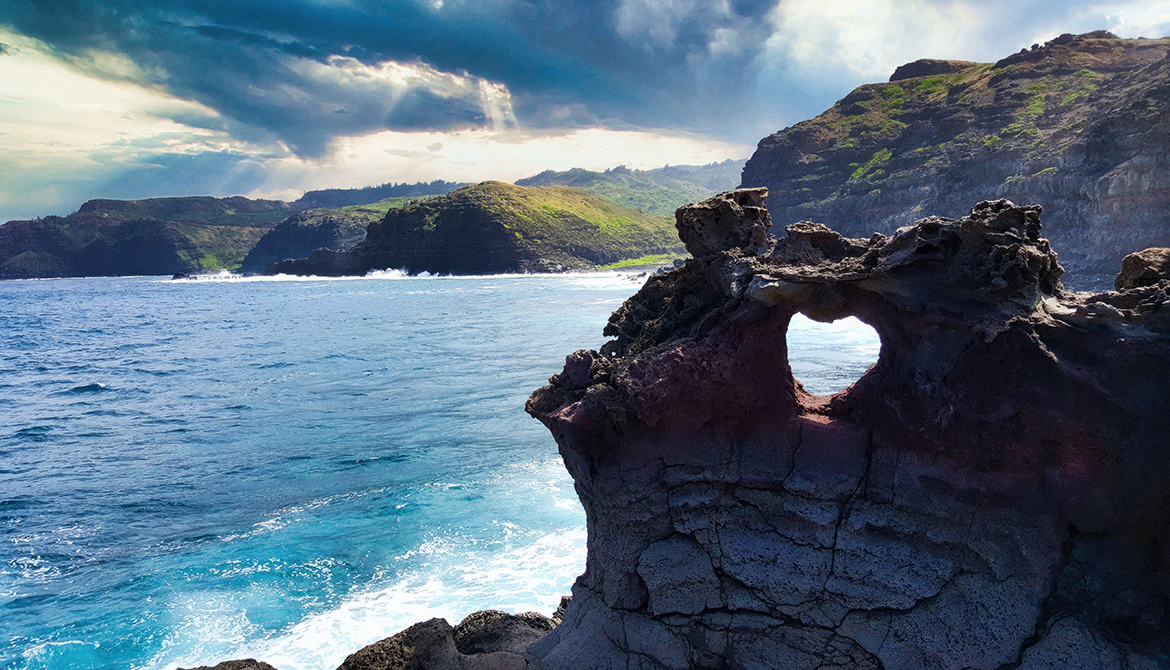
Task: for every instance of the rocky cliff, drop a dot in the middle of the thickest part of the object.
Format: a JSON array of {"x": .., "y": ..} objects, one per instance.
[
  {"x": 301, "y": 234},
  {"x": 1080, "y": 125},
  {"x": 990, "y": 494},
  {"x": 158, "y": 236},
  {"x": 495, "y": 227}
]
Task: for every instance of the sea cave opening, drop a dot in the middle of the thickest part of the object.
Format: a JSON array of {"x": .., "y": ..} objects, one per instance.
[{"x": 829, "y": 357}]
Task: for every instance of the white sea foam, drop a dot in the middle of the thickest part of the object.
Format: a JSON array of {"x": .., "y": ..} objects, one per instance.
[
  {"x": 596, "y": 279},
  {"x": 529, "y": 577},
  {"x": 455, "y": 579}
]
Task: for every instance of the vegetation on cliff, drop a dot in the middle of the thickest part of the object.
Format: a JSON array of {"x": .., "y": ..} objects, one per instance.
[
  {"x": 1077, "y": 125},
  {"x": 497, "y": 227},
  {"x": 660, "y": 191},
  {"x": 127, "y": 237},
  {"x": 348, "y": 197},
  {"x": 303, "y": 233}
]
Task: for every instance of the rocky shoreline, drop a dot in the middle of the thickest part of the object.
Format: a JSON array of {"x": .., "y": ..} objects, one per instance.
[{"x": 990, "y": 494}]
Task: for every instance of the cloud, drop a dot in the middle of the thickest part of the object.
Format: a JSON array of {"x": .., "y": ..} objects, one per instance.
[
  {"x": 119, "y": 94},
  {"x": 485, "y": 154},
  {"x": 818, "y": 50},
  {"x": 307, "y": 72},
  {"x": 113, "y": 139}
]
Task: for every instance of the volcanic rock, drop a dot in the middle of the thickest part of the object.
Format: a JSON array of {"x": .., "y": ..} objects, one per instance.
[
  {"x": 487, "y": 640},
  {"x": 1144, "y": 268},
  {"x": 242, "y": 664},
  {"x": 990, "y": 494}
]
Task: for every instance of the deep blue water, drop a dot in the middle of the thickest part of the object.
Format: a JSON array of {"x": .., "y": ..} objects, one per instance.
[{"x": 196, "y": 471}]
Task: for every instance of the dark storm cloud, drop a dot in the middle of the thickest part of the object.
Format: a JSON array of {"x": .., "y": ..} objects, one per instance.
[
  {"x": 307, "y": 71},
  {"x": 274, "y": 68}
]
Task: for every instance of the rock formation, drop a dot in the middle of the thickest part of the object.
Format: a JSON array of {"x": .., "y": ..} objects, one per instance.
[
  {"x": 1080, "y": 125},
  {"x": 992, "y": 493},
  {"x": 488, "y": 640}
]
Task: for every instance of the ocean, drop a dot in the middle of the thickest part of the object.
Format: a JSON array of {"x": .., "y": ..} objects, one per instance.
[{"x": 292, "y": 468}]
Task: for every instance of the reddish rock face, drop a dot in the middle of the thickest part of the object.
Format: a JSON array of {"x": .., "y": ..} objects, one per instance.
[{"x": 992, "y": 493}]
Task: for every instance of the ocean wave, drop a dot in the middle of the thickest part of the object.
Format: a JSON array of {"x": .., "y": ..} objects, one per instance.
[
  {"x": 87, "y": 389},
  {"x": 593, "y": 279},
  {"x": 528, "y": 573}
]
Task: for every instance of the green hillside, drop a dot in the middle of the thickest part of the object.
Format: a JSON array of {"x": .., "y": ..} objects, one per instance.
[
  {"x": 303, "y": 233},
  {"x": 1077, "y": 125},
  {"x": 495, "y": 227},
  {"x": 646, "y": 191}
]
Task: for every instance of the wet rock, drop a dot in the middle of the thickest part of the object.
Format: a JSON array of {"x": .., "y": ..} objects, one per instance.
[
  {"x": 244, "y": 664},
  {"x": 492, "y": 630},
  {"x": 487, "y": 640}
]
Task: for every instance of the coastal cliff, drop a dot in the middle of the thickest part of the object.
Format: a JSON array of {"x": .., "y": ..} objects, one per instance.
[
  {"x": 1080, "y": 125},
  {"x": 494, "y": 227},
  {"x": 990, "y": 494},
  {"x": 301, "y": 234},
  {"x": 155, "y": 236}
]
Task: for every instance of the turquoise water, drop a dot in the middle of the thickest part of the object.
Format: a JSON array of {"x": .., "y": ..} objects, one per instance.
[{"x": 290, "y": 469}]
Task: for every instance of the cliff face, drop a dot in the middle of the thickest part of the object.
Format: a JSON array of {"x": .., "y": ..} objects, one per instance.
[
  {"x": 158, "y": 236},
  {"x": 302, "y": 233},
  {"x": 990, "y": 494},
  {"x": 495, "y": 227},
  {"x": 1080, "y": 125}
]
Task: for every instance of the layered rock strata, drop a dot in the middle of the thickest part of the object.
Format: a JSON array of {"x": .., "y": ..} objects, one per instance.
[{"x": 992, "y": 493}]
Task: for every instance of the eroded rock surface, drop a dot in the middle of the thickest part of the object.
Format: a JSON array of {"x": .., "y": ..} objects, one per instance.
[{"x": 993, "y": 493}]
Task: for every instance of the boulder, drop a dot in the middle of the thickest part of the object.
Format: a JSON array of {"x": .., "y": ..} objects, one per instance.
[{"x": 1144, "y": 268}]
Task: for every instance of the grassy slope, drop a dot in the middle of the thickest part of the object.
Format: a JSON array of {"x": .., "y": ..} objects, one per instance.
[
  {"x": 539, "y": 215},
  {"x": 558, "y": 223},
  {"x": 377, "y": 210},
  {"x": 644, "y": 191}
]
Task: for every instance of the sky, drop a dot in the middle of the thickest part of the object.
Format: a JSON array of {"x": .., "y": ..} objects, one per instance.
[{"x": 137, "y": 98}]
